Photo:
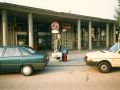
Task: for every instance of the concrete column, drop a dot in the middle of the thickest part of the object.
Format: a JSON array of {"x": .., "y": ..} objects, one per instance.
[
  {"x": 4, "y": 25},
  {"x": 114, "y": 33},
  {"x": 90, "y": 35},
  {"x": 79, "y": 34},
  {"x": 30, "y": 28},
  {"x": 107, "y": 35}
]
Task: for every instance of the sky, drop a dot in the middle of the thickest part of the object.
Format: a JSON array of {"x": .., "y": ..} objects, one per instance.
[{"x": 95, "y": 8}]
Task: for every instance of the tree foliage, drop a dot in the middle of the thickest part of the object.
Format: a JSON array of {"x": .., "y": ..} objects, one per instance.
[{"x": 117, "y": 16}]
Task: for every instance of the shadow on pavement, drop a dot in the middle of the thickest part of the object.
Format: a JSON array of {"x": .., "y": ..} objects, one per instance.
[{"x": 117, "y": 69}]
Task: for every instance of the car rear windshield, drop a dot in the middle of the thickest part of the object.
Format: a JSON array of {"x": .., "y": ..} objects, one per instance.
[{"x": 30, "y": 50}]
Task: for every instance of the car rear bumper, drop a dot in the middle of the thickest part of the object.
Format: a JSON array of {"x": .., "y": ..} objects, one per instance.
[{"x": 38, "y": 66}]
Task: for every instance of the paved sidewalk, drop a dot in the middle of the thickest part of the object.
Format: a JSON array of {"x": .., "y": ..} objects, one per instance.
[{"x": 73, "y": 58}]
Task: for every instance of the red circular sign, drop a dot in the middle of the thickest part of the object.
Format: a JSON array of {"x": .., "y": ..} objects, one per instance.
[{"x": 55, "y": 26}]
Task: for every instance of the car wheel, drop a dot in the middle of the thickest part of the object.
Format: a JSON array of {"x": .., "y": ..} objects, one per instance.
[
  {"x": 104, "y": 67},
  {"x": 27, "y": 70}
]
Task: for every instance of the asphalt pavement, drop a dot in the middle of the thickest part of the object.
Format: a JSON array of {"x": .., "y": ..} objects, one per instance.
[{"x": 71, "y": 75}]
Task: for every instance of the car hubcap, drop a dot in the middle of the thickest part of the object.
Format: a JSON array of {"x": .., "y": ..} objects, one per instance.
[
  {"x": 104, "y": 67},
  {"x": 27, "y": 70}
]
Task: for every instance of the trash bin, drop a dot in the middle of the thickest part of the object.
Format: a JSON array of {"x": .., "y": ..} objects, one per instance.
[
  {"x": 64, "y": 54},
  {"x": 64, "y": 57}
]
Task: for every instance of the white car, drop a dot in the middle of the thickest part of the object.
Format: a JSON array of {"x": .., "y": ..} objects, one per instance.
[{"x": 105, "y": 59}]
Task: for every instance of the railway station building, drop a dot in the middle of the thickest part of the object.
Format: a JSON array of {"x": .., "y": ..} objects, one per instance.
[{"x": 33, "y": 26}]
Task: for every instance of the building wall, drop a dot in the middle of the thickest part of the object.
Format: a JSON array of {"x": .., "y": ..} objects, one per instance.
[{"x": 41, "y": 24}]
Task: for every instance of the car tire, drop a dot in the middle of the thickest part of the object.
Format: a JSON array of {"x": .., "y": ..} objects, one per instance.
[
  {"x": 27, "y": 70},
  {"x": 104, "y": 67}
]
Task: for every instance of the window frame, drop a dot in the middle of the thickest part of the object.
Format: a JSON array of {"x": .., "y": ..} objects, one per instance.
[{"x": 2, "y": 52}]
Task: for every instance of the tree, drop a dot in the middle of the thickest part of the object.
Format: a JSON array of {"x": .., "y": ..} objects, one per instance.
[{"x": 117, "y": 16}]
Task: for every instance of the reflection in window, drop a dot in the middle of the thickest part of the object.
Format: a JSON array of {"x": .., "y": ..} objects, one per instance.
[{"x": 12, "y": 52}]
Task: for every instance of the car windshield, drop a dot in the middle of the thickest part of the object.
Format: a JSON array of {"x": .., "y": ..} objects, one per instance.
[
  {"x": 30, "y": 50},
  {"x": 115, "y": 47}
]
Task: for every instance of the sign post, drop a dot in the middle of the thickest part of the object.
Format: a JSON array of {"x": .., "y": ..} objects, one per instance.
[
  {"x": 57, "y": 41},
  {"x": 55, "y": 31}
]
